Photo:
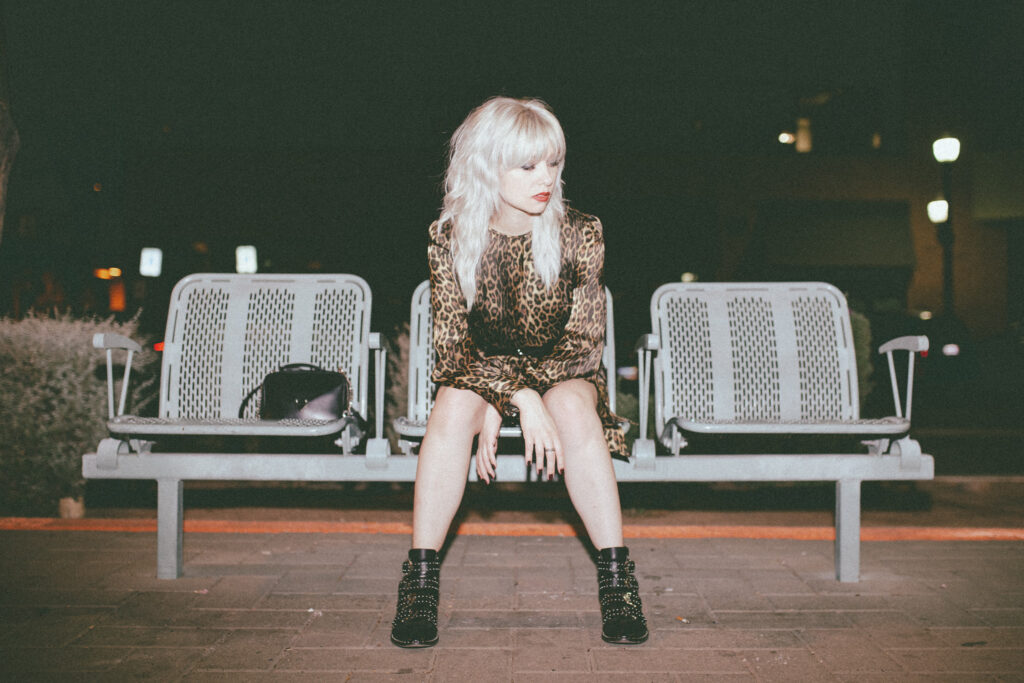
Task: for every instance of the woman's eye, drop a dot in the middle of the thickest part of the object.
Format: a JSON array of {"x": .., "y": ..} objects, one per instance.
[
  {"x": 555, "y": 164},
  {"x": 527, "y": 167}
]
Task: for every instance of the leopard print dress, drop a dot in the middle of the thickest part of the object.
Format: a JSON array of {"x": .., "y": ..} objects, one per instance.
[{"x": 519, "y": 334}]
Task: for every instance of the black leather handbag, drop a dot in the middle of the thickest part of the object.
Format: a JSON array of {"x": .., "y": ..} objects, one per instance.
[{"x": 301, "y": 391}]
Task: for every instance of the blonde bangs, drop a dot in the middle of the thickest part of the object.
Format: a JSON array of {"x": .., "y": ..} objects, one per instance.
[{"x": 534, "y": 136}]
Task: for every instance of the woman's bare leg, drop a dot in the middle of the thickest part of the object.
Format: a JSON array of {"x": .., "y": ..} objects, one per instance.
[
  {"x": 589, "y": 476},
  {"x": 443, "y": 466}
]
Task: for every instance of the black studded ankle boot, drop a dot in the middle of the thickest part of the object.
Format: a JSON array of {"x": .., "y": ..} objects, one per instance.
[
  {"x": 415, "y": 623},
  {"x": 621, "y": 612}
]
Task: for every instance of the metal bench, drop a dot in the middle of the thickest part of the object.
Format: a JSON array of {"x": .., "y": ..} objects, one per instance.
[
  {"x": 224, "y": 333},
  {"x": 769, "y": 359},
  {"x": 413, "y": 425}
]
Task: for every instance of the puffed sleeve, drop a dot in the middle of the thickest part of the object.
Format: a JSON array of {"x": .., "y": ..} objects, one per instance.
[
  {"x": 458, "y": 362},
  {"x": 578, "y": 353}
]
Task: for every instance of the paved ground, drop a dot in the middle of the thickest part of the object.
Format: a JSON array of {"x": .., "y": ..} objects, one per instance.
[{"x": 86, "y": 605}]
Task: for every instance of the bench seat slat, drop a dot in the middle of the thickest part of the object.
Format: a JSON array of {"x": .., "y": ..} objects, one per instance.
[
  {"x": 130, "y": 424},
  {"x": 886, "y": 426}
]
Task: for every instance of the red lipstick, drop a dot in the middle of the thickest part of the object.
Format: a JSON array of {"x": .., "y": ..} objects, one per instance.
[{"x": 542, "y": 196}]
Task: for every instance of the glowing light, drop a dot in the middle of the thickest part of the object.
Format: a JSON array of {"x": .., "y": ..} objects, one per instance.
[
  {"x": 950, "y": 349},
  {"x": 787, "y": 138},
  {"x": 629, "y": 372},
  {"x": 689, "y": 277},
  {"x": 946, "y": 150},
  {"x": 925, "y": 315},
  {"x": 159, "y": 346},
  {"x": 803, "y": 135},
  {"x": 938, "y": 211},
  {"x": 151, "y": 262},
  {"x": 115, "y": 272},
  {"x": 97, "y": 187},
  {"x": 245, "y": 259},
  {"x": 118, "y": 298},
  {"x": 102, "y": 273}
]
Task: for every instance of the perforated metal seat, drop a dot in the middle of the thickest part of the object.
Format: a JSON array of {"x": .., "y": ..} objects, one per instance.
[
  {"x": 769, "y": 359},
  {"x": 759, "y": 358},
  {"x": 226, "y": 332}
]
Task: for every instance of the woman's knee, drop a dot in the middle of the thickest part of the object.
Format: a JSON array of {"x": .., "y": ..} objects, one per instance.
[
  {"x": 572, "y": 399},
  {"x": 458, "y": 410}
]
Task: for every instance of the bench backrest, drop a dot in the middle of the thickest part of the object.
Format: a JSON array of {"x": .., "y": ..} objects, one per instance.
[
  {"x": 753, "y": 352},
  {"x": 421, "y": 353},
  {"x": 225, "y": 332}
]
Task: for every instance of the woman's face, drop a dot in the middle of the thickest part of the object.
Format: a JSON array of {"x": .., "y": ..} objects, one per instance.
[{"x": 526, "y": 190}]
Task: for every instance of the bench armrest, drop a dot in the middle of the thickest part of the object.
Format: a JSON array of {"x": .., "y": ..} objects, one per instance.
[
  {"x": 110, "y": 341},
  {"x": 915, "y": 344},
  {"x": 380, "y": 357},
  {"x": 912, "y": 345},
  {"x": 644, "y": 347},
  {"x": 647, "y": 342}
]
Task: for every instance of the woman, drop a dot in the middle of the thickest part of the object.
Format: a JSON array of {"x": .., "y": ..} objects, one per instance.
[{"x": 518, "y": 304}]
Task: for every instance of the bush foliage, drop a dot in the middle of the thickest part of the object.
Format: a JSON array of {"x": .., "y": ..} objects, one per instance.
[{"x": 54, "y": 397}]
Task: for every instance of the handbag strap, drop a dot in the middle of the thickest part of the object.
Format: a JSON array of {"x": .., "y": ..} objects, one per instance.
[
  {"x": 301, "y": 366},
  {"x": 245, "y": 401}
]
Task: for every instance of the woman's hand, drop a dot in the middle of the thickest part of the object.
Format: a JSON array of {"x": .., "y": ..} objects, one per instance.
[
  {"x": 487, "y": 446},
  {"x": 543, "y": 446}
]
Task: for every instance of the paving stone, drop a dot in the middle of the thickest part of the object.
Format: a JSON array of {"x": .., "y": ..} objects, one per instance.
[
  {"x": 648, "y": 659},
  {"x": 241, "y": 618},
  {"x": 1000, "y": 617},
  {"x": 153, "y": 609},
  {"x": 818, "y": 602},
  {"x": 702, "y": 638},
  {"x": 848, "y": 651},
  {"x": 932, "y": 610},
  {"x": 35, "y": 660},
  {"x": 622, "y": 677},
  {"x": 785, "y": 665},
  {"x": 155, "y": 664},
  {"x": 456, "y": 666},
  {"x": 247, "y": 649},
  {"x": 305, "y": 601},
  {"x": 384, "y": 660},
  {"x": 277, "y": 676},
  {"x": 236, "y": 591},
  {"x": 512, "y": 619},
  {"x": 1012, "y": 637},
  {"x": 783, "y": 620},
  {"x": 134, "y": 636},
  {"x": 967, "y": 660}
]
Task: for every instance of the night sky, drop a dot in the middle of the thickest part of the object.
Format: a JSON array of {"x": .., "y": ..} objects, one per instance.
[{"x": 316, "y": 130}]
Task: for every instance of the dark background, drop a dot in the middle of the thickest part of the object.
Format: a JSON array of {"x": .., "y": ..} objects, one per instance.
[{"x": 316, "y": 130}]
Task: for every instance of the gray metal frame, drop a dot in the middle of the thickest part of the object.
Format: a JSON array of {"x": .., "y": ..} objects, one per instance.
[
  {"x": 224, "y": 333},
  {"x": 768, "y": 358}
]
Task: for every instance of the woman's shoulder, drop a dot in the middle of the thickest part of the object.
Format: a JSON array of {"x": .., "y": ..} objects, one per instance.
[
  {"x": 441, "y": 234},
  {"x": 583, "y": 224}
]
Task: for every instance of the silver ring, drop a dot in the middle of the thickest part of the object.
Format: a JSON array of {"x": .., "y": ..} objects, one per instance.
[{"x": 549, "y": 450}]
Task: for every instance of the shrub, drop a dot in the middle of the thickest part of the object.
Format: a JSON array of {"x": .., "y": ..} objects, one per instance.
[{"x": 54, "y": 398}]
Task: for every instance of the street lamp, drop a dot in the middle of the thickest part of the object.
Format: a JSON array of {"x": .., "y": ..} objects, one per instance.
[{"x": 946, "y": 150}]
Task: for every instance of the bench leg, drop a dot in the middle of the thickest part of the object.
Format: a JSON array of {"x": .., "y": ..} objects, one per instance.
[
  {"x": 168, "y": 528},
  {"x": 848, "y": 530}
]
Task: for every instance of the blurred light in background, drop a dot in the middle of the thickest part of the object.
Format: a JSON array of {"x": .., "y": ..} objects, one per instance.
[
  {"x": 629, "y": 372},
  {"x": 151, "y": 262},
  {"x": 938, "y": 211},
  {"x": 245, "y": 259}
]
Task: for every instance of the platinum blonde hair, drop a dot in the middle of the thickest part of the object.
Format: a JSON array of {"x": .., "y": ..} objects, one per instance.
[{"x": 500, "y": 134}]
